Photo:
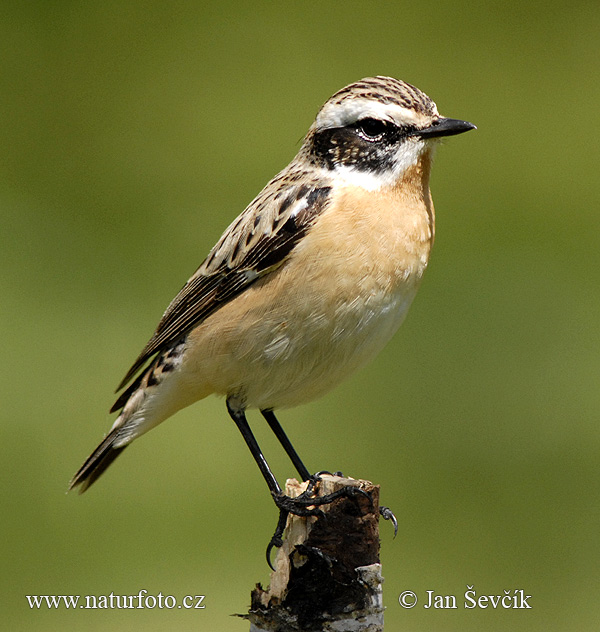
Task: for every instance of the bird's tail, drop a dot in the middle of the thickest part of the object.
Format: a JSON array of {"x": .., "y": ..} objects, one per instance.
[
  {"x": 152, "y": 397},
  {"x": 97, "y": 462}
]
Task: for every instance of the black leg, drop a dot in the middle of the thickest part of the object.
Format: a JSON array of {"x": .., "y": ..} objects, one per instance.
[
  {"x": 237, "y": 414},
  {"x": 275, "y": 426},
  {"x": 303, "y": 505}
]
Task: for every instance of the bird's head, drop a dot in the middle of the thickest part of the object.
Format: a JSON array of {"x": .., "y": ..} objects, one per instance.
[{"x": 372, "y": 131}]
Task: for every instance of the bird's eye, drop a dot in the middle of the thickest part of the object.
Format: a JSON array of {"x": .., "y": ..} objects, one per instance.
[{"x": 371, "y": 129}]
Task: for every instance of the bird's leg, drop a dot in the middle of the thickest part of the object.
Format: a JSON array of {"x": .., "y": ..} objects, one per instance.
[
  {"x": 303, "y": 505},
  {"x": 239, "y": 417},
  {"x": 313, "y": 479},
  {"x": 275, "y": 426},
  {"x": 302, "y": 470}
]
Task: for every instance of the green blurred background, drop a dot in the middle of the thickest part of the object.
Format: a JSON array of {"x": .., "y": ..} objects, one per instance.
[{"x": 131, "y": 134}]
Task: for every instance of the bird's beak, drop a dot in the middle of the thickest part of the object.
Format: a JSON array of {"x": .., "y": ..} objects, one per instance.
[{"x": 445, "y": 127}]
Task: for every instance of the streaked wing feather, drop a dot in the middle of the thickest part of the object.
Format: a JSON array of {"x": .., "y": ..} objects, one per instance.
[{"x": 255, "y": 244}]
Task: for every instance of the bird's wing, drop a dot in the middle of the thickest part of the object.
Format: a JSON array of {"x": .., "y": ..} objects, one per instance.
[{"x": 254, "y": 245}]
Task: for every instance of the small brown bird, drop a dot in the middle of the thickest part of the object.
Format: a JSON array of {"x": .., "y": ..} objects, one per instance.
[{"x": 306, "y": 285}]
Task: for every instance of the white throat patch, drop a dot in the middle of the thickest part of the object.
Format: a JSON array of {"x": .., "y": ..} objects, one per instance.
[{"x": 407, "y": 156}]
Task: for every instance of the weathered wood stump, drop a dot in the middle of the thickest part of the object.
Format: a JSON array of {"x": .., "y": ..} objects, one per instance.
[{"x": 327, "y": 574}]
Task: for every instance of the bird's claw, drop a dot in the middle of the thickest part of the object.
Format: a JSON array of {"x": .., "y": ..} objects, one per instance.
[
  {"x": 307, "y": 504},
  {"x": 387, "y": 514}
]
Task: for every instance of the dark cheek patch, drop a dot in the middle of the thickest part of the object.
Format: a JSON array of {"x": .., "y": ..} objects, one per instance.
[{"x": 343, "y": 146}]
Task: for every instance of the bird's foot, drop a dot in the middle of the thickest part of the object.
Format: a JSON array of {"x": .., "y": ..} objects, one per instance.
[{"x": 307, "y": 504}]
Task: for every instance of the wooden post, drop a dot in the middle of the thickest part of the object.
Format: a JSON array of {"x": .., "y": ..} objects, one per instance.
[{"x": 327, "y": 574}]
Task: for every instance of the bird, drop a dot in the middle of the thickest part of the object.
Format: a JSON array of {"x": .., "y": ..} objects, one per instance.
[{"x": 304, "y": 287}]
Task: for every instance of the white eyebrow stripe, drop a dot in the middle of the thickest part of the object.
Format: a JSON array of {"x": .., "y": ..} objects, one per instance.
[{"x": 340, "y": 114}]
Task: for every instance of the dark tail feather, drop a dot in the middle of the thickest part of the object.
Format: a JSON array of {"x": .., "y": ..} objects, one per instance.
[{"x": 96, "y": 463}]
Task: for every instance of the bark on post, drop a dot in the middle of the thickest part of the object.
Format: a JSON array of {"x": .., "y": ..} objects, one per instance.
[{"x": 327, "y": 573}]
